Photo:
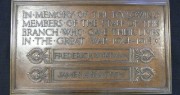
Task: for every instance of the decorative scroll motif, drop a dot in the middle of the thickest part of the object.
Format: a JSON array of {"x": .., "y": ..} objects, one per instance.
[
  {"x": 144, "y": 55},
  {"x": 38, "y": 74},
  {"x": 143, "y": 74},
  {"x": 37, "y": 55}
]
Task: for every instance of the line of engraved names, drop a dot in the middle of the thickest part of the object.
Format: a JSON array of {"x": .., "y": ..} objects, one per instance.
[
  {"x": 49, "y": 55},
  {"x": 57, "y": 74}
]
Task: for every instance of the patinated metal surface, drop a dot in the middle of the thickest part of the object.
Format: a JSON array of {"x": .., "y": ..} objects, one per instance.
[{"x": 90, "y": 46}]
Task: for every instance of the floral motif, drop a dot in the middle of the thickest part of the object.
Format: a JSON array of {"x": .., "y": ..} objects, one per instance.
[
  {"x": 38, "y": 74},
  {"x": 144, "y": 73},
  {"x": 37, "y": 55},
  {"x": 146, "y": 55}
]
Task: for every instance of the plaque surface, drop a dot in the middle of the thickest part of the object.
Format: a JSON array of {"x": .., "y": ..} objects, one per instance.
[{"x": 67, "y": 46}]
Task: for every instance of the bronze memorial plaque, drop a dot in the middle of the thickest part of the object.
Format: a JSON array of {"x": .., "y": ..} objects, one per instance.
[{"x": 88, "y": 46}]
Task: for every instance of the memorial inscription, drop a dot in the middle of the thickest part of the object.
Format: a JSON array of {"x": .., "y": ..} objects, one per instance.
[{"x": 97, "y": 47}]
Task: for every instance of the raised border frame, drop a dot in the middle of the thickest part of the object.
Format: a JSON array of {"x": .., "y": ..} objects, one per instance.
[{"x": 164, "y": 3}]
